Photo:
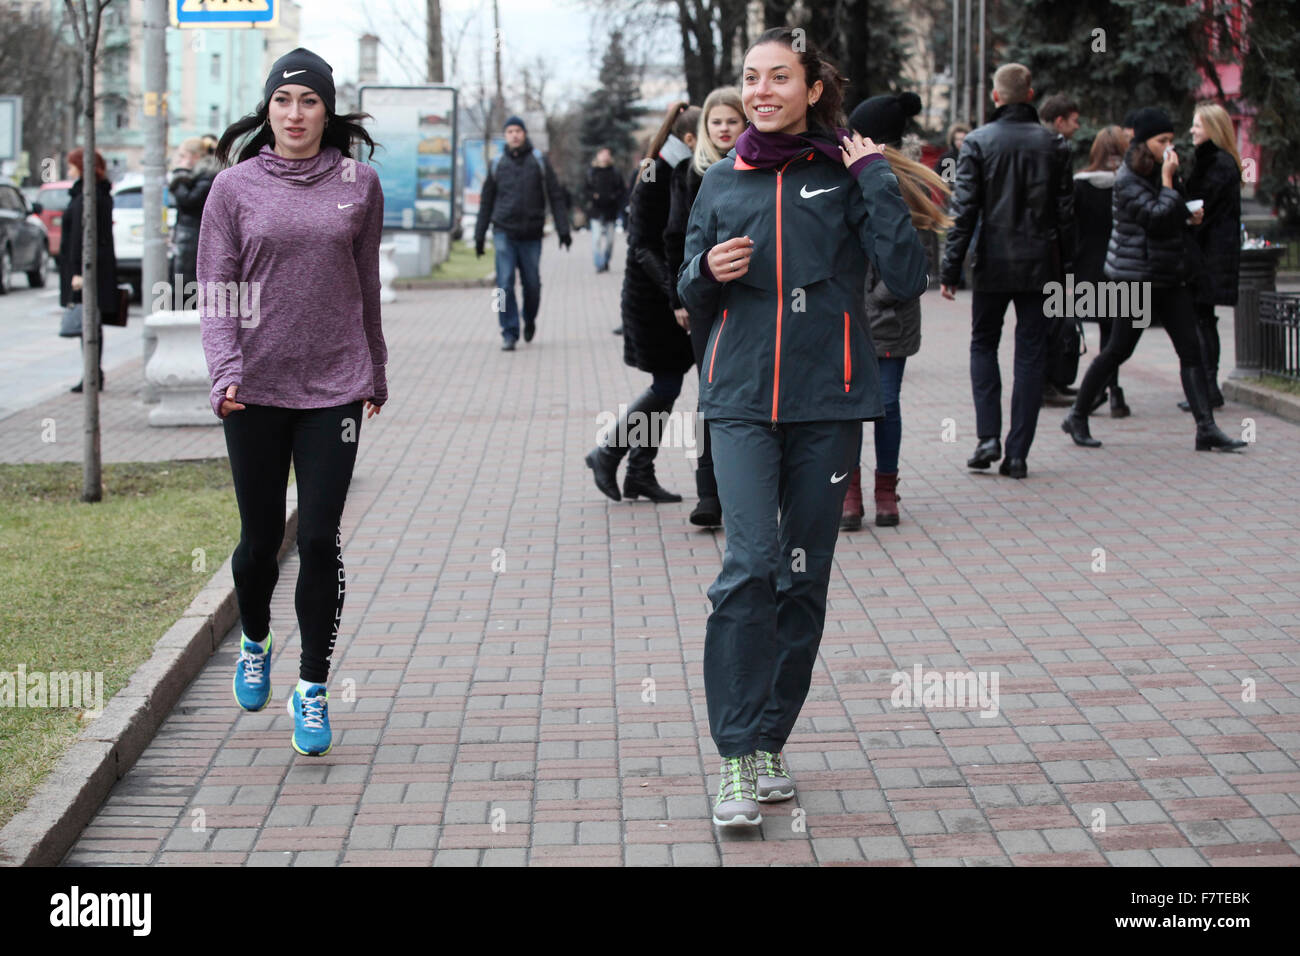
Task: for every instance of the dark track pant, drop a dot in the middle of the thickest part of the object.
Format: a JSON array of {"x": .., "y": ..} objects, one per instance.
[
  {"x": 781, "y": 512},
  {"x": 322, "y": 442},
  {"x": 987, "y": 311},
  {"x": 704, "y": 479}
]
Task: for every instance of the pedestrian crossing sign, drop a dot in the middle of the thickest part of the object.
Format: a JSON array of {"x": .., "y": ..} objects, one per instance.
[{"x": 224, "y": 13}]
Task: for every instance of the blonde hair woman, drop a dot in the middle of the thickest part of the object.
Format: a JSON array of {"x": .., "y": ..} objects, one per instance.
[
  {"x": 722, "y": 120},
  {"x": 1215, "y": 179}
]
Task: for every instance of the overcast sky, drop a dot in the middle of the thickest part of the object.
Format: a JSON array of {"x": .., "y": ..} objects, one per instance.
[{"x": 559, "y": 30}]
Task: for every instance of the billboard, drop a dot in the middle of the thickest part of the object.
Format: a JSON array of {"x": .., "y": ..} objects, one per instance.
[
  {"x": 415, "y": 129},
  {"x": 475, "y": 169}
]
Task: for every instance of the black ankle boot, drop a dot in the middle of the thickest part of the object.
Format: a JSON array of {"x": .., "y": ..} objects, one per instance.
[
  {"x": 640, "y": 481},
  {"x": 708, "y": 510},
  {"x": 1076, "y": 426},
  {"x": 1118, "y": 407},
  {"x": 603, "y": 463},
  {"x": 1208, "y": 435}
]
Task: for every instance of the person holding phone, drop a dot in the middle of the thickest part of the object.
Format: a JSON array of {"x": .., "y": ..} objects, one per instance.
[
  {"x": 294, "y": 225},
  {"x": 1148, "y": 243},
  {"x": 776, "y": 251}
]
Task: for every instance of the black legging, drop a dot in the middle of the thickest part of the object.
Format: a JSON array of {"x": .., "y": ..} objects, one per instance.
[
  {"x": 322, "y": 442},
  {"x": 1172, "y": 306}
]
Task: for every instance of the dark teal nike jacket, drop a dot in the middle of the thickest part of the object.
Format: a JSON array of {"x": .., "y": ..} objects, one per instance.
[{"x": 790, "y": 341}]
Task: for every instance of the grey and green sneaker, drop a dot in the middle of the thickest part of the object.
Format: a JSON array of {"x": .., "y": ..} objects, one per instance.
[
  {"x": 773, "y": 779},
  {"x": 737, "y": 803}
]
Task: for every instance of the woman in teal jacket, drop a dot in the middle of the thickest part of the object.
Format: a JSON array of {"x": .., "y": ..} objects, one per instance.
[{"x": 776, "y": 250}]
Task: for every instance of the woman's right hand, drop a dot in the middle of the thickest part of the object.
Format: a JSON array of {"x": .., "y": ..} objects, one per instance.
[
  {"x": 76, "y": 283},
  {"x": 228, "y": 404},
  {"x": 730, "y": 260},
  {"x": 1169, "y": 168}
]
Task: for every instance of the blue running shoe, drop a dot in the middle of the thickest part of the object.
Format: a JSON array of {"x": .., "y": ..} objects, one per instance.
[
  {"x": 311, "y": 721},
  {"x": 253, "y": 674}
]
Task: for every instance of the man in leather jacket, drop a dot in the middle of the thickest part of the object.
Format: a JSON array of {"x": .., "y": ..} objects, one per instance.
[{"x": 1014, "y": 192}]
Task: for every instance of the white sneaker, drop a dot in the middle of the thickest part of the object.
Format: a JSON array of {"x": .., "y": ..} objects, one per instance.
[
  {"x": 773, "y": 780},
  {"x": 737, "y": 803}
]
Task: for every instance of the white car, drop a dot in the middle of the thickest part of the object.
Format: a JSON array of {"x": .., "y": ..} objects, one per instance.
[{"x": 128, "y": 229}]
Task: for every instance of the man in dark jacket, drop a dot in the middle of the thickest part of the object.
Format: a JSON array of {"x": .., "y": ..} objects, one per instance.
[
  {"x": 606, "y": 196},
  {"x": 1014, "y": 184},
  {"x": 514, "y": 200}
]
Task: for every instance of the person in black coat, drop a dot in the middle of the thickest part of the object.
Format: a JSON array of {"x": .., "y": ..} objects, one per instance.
[
  {"x": 654, "y": 340},
  {"x": 1093, "y": 188},
  {"x": 722, "y": 120},
  {"x": 1216, "y": 180},
  {"x": 70, "y": 249},
  {"x": 1148, "y": 251},
  {"x": 605, "y": 196},
  {"x": 1014, "y": 183},
  {"x": 189, "y": 186}
]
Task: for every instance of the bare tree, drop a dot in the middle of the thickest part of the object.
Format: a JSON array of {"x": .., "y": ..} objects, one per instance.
[
  {"x": 37, "y": 63},
  {"x": 86, "y": 16}
]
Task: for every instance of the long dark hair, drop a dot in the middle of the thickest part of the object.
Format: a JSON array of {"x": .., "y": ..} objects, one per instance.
[
  {"x": 341, "y": 132},
  {"x": 679, "y": 119},
  {"x": 1139, "y": 158},
  {"x": 828, "y": 111}
]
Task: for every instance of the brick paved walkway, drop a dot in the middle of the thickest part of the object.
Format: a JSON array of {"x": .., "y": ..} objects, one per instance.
[{"x": 502, "y": 716}]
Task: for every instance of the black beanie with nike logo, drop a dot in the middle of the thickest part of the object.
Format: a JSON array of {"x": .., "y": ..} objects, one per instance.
[{"x": 306, "y": 69}]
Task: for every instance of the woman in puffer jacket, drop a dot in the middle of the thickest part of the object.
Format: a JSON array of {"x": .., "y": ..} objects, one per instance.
[
  {"x": 190, "y": 184},
  {"x": 1149, "y": 244},
  {"x": 895, "y": 323}
]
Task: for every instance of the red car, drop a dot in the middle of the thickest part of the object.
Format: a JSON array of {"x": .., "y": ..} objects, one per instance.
[{"x": 53, "y": 198}]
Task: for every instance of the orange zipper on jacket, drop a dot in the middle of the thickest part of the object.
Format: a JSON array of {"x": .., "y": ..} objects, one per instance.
[
  {"x": 848, "y": 361},
  {"x": 716, "y": 339},
  {"x": 780, "y": 296}
]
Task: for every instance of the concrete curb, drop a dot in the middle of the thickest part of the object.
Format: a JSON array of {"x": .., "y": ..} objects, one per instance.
[
  {"x": 444, "y": 283},
  {"x": 42, "y": 832},
  {"x": 1277, "y": 403}
]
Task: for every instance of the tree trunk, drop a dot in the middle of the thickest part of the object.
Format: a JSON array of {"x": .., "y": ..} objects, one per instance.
[
  {"x": 92, "y": 485},
  {"x": 433, "y": 39}
]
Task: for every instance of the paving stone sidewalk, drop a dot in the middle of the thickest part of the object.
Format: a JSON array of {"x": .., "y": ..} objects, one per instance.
[{"x": 518, "y": 677}]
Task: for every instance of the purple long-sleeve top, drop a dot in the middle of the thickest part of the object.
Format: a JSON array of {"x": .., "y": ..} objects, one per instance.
[{"x": 288, "y": 275}]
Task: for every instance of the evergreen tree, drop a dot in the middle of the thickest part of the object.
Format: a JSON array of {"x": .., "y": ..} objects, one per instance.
[
  {"x": 1112, "y": 56},
  {"x": 1270, "y": 82},
  {"x": 610, "y": 112}
]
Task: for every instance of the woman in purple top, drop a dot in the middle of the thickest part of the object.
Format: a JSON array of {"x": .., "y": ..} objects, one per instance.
[{"x": 288, "y": 270}]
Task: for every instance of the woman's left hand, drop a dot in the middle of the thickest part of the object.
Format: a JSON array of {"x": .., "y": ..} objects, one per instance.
[
  {"x": 372, "y": 409},
  {"x": 859, "y": 146},
  {"x": 683, "y": 318},
  {"x": 76, "y": 283},
  {"x": 1198, "y": 216}
]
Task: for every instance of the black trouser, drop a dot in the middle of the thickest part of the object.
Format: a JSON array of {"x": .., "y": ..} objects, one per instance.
[
  {"x": 1173, "y": 307},
  {"x": 1207, "y": 326},
  {"x": 705, "y": 483},
  {"x": 322, "y": 442},
  {"x": 782, "y": 492},
  {"x": 987, "y": 311}
]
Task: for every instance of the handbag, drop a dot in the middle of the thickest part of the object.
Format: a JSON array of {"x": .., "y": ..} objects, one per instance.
[
  {"x": 123, "y": 307},
  {"x": 70, "y": 324},
  {"x": 1065, "y": 343}
]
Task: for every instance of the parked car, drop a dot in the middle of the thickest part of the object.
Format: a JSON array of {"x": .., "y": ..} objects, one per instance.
[
  {"x": 53, "y": 198},
  {"x": 24, "y": 243},
  {"x": 128, "y": 230}
]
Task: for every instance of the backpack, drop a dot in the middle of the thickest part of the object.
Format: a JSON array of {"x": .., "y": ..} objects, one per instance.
[{"x": 537, "y": 155}]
